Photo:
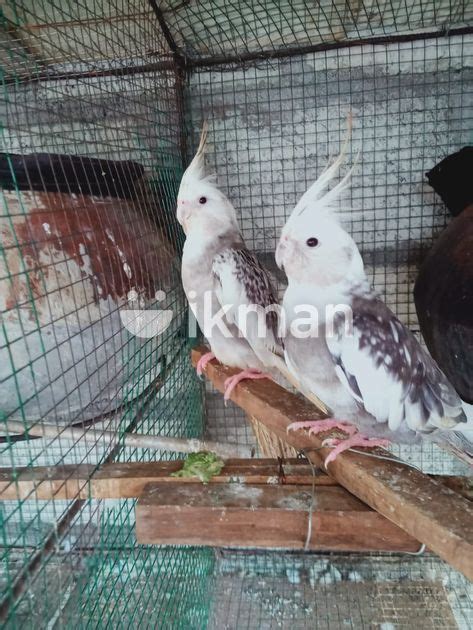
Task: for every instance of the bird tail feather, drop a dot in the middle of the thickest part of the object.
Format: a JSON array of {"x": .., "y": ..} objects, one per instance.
[
  {"x": 458, "y": 444},
  {"x": 459, "y": 440}
]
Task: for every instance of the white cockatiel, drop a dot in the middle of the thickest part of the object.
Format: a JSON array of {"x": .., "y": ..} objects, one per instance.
[
  {"x": 219, "y": 271},
  {"x": 371, "y": 372}
]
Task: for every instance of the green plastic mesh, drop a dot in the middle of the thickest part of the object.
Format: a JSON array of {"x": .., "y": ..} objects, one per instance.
[
  {"x": 129, "y": 83},
  {"x": 68, "y": 88}
]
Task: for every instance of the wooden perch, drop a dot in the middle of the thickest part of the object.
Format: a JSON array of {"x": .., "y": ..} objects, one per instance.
[
  {"x": 256, "y": 515},
  {"x": 133, "y": 440},
  {"x": 433, "y": 514},
  {"x": 127, "y": 480}
]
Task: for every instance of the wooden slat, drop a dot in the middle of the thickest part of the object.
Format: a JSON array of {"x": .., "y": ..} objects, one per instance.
[
  {"x": 268, "y": 516},
  {"x": 127, "y": 480},
  {"x": 461, "y": 485},
  {"x": 427, "y": 510}
]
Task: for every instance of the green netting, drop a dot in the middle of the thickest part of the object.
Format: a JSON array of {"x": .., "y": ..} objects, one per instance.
[
  {"x": 66, "y": 358},
  {"x": 129, "y": 83}
]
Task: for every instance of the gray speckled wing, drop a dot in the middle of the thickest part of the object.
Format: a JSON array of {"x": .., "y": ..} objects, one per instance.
[
  {"x": 386, "y": 369},
  {"x": 242, "y": 281},
  {"x": 199, "y": 284}
]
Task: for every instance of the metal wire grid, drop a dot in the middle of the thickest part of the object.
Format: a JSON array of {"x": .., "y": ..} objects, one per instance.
[
  {"x": 226, "y": 423},
  {"x": 276, "y": 123},
  {"x": 268, "y": 590},
  {"x": 48, "y": 36},
  {"x": 213, "y": 31},
  {"x": 63, "y": 94}
]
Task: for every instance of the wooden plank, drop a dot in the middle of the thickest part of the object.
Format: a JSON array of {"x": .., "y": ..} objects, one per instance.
[
  {"x": 45, "y": 482},
  {"x": 430, "y": 512},
  {"x": 263, "y": 516},
  {"x": 461, "y": 485},
  {"x": 127, "y": 480}
]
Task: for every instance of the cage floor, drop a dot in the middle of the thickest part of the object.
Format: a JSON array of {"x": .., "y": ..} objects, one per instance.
[{"x": 275, "y": 590}]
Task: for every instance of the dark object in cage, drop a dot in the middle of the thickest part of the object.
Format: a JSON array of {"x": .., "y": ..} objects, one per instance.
[
  {"x": 451, "y": 179},
  {"x": 444, "y": 288},
  {"x": 70, "y": 174},
  {"x": 80, "y": 257}
]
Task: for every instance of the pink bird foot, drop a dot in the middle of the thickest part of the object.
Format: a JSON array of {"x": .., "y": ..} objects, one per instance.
[
  {"x": 202, "y": 362},
  {"x": 318, "y": 426},
  {"x": 355, "y": 440},
  {"x": 232, "y": 381}
]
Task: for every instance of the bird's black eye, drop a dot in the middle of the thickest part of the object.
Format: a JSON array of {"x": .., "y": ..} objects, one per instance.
[
  {"x": 312, "y": 242},
  {"x": 203, "y": 200}
]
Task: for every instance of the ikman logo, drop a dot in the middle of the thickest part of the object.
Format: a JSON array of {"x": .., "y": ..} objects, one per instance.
[
  {"x": 304, "y": 321},
  {"x": 145, "y": 323}
]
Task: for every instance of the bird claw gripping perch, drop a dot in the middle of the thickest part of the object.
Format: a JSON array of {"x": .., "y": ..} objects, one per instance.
[
  {"x": 232, "y": 381},
  {"x": 202, "y": 362},
  {"x": 357, "y": 439}
]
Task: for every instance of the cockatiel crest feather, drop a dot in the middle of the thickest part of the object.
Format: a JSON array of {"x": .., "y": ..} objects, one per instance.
[
  {"x": 317, "y": 203},
  {"x": 199, "y": 200},
  {"x": 195, "y": 173},
  {"x": 197, "y": 167}
]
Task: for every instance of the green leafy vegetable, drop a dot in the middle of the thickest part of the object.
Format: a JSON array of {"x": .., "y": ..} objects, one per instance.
[{"x": 203, "y": 465}]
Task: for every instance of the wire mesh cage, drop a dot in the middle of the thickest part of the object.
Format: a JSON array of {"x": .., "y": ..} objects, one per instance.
[{"x": 101, "y": 106}]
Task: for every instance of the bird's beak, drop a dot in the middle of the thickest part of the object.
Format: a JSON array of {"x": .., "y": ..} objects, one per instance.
[
  {"x": 182, "y": 215},
  {"x": 279, "y": 256}
]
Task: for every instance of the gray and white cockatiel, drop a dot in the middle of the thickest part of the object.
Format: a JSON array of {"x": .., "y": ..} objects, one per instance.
[
  {"x": 218, "y": 271},
  {"x": 380, "y": 384}
]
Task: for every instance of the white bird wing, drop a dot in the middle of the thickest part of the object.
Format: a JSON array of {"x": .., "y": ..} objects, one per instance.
[
  {"x": 241, "y": 281},
  {"x": 386, "y": 369}
]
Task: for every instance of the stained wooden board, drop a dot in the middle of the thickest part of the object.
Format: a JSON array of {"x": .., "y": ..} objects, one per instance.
[
  {"x": 268, "y": 516},
  {"x": 427, "y": 510},
  {"x": 127, "y": 480}
]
